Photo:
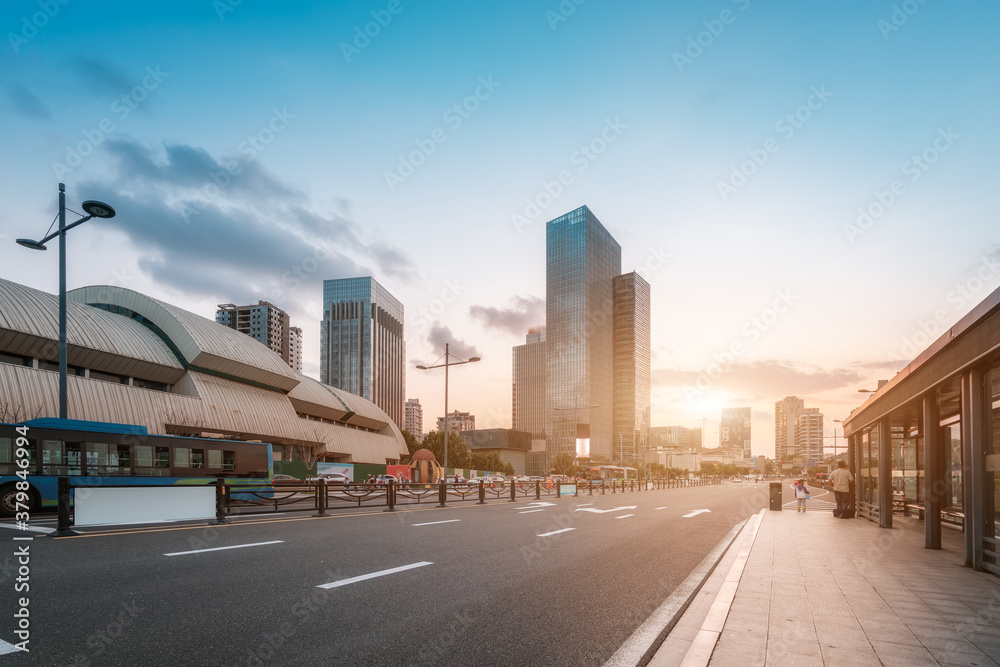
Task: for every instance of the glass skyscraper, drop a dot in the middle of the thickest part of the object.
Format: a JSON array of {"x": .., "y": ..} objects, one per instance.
[
  {"x": 361, "y": 343},
  {"x": 581, "y": 261},
  {"x": 633, "y": 367}
]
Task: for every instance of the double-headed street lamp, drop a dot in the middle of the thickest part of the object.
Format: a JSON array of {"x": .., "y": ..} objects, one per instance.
[
  {"x": 445, "y": 365},
  {"x": 94, "y": 209}
]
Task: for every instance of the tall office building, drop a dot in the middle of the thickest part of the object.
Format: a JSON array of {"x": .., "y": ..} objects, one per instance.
[
  {"x": 632, "y": 366},
  {"x": 786, "y": 411},
  {"x": 413, "y": 421},
  {"x": 809, "y": 437},
  {"x": 734, "y": 430},
  {"x": 582, "y": 259},
  {"x": 266, "y": 323},
  {"x": 528, "y": 400},
  {"x": 361, "y": 343}
]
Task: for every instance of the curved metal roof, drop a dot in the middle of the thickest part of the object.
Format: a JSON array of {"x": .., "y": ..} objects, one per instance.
[
  {"x": 203, "y": 343},
  {"x": 29, "y": 325}
]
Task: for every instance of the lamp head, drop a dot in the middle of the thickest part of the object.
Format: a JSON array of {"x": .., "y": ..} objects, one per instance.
[
  {"x": 28, "y": 243},
  {"x": 98, "y": 209},
  {"x": 472, "y": 359},
  {"x": 423, "y": 368}
]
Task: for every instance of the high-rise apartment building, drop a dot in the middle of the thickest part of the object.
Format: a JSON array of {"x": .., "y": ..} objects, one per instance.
[
  {"x": 798, "y": 432},
  {"x": 786, "y": 411},
  {"x": 528, "y": 400},
  {"x": 361, "y": 343},
  {"x": 413, "y": 420},
  {"x": 809, "y": 437},
  {"x": 582, "y": 259},
  {"x": 266, "y": 323},
  {"x": 458, "y": 421},
  {"x": 734, "y": 430},
  {"x": 632, "y": 366},
  {"x": 295, "y": 348}
]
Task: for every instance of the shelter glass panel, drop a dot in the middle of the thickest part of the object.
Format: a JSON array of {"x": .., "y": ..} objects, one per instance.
[
  {"x": 953, "y": 466},
  {"x": 992, "y": 485}
]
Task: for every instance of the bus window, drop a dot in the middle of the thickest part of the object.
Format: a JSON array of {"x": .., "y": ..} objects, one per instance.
[
  {"x": 7, "y": 456},
  {"x": 228, "y": 460},
  {"x": 182, "y": 457},
  {"x": 143, "y": 457},
  {"x": 122, "y": 460},
  {"x": 162, "y": 457},
  {"x": 74, "y": 458},
  {"x": 52, "y": 457},
  {"x": 197, "y": 458},
  {"x": 97, "y": 458},
  {"x": 215, "y": 458}
]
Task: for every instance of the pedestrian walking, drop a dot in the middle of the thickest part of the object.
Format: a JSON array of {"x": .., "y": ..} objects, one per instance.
[
  {"x": 841, "y": 479},
  {"x": 801, "y": 495}
]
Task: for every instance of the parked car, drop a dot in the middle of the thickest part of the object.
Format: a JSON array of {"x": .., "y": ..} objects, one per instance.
[
  {"x": 385, "y": 479},
  {"x": 332, "y": 478},
  {"x": 286, "y": 479},
  {"x": 455, "y": 479}
]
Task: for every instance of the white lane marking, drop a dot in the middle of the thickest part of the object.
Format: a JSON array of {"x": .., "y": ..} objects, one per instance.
[
  {"x": 624, "y": 516},
  {"x": 38, "y": 529},
  {"x": 694, "y": 513},
  {"x": 538, "y": 503},
  {"x": 597, "y": 511},
  {"x": 530, "y": 511},
  {"x": 585, "y": 504},
  {"x": 556, "y": 532},
  {"x": 237, "y": 546},
  {"x": 434, "y": 523},
  {"x": 373, "y": 575},
  {"x": 7, "y": 647},
  {"x": 661, "y": 508}
]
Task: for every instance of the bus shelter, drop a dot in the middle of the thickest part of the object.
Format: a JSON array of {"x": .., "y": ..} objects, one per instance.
[{"x": 927, "y": 443}]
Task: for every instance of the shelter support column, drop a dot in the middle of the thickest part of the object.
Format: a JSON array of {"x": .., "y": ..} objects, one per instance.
[
  {"x": 973, "y": 466},
  {"x": 884, "y": 474},
  {"x": 934, "y": 484}
]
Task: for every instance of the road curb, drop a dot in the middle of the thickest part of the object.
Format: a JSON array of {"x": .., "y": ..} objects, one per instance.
[
  {"x": 703, "y": 646},
  {"x": 642, "y": 645}
]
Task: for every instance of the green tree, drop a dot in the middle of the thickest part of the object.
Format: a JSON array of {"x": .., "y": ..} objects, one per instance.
[
  {"x": 562, "y": 464},
  {"x": 709, "y": 468},
  {"x": 412, "y": 444},
  {"x": 490, "y": 461},
  {"x": 458, "y": 452}
]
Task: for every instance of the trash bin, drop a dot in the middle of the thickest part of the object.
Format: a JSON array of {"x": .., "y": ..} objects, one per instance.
[{"x": 776, "y": 496}]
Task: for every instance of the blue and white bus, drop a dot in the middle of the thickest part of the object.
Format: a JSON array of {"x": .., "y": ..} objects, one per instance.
[
  {"x": 40, "y": 451},
  {"x": 624, "y": 473}
]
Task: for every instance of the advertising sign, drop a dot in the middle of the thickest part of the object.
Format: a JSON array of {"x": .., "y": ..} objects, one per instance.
[{"x": 583, "y": 441}]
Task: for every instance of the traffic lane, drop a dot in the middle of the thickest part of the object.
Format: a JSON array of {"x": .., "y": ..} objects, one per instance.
[
  {"x": 590, "y": 593},
  {"x": 244, "y": 582}
]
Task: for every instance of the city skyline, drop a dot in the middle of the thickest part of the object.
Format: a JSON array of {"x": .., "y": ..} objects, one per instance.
[{"x": 806, "y": 189}]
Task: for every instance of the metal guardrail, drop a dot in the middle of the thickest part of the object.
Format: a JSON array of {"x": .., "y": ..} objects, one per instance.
[{"x": 284, "y": 496}]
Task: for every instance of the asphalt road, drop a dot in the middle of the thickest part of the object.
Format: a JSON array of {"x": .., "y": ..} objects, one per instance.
[{"x": 484, "y": 585}]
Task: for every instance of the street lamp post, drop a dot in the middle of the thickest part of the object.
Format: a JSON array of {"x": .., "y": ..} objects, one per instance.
[
  {"x": 445, "y": 365},
  {"x": 94, "y": 209}
]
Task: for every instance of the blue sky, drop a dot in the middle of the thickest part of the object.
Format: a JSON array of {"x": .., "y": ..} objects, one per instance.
[{"x": 732, "y": 145}]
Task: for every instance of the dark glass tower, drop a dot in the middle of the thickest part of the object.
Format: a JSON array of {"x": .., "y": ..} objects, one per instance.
[{"x": 582, "y": 259}]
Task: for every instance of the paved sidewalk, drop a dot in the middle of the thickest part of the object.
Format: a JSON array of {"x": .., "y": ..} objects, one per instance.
[{"x": 823, "y": 591}]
